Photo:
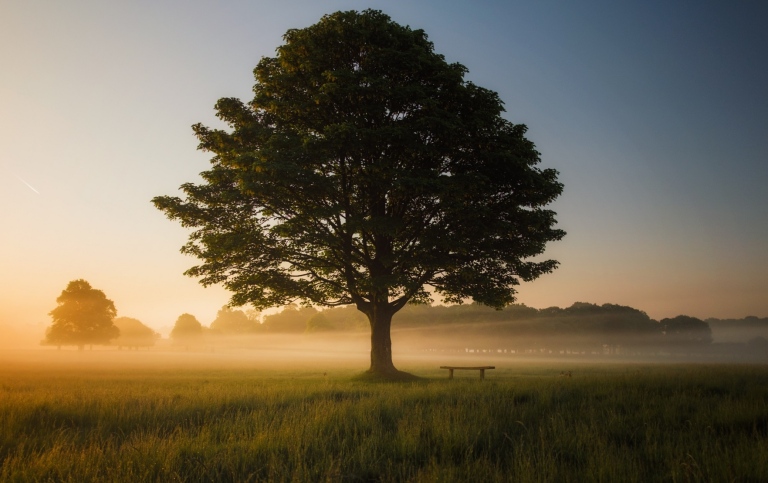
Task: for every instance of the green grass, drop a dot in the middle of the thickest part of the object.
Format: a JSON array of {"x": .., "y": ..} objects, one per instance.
[{"x": 523, "y": 423}]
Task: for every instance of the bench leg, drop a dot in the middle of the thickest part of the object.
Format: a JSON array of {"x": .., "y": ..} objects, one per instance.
[
  {"x": 482, "y": 374},
  {"x": 450, "y": 373}
]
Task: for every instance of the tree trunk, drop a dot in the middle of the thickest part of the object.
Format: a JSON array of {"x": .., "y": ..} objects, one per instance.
[
  {"x": 380, "y": 319},
  {"x": 379, "y": 315}
]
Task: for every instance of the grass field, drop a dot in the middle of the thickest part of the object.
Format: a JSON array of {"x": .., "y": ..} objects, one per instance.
[{"x": 150, "y": 417}]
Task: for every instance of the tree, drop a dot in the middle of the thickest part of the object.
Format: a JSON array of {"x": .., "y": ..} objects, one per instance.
[
  {"x": 347, "y": 318},
  {"x": 366, "y": 170},
  {"x": 684, "y": 330},
  {"x": 133, "y": 333},
  {"x": 187, "y": 330},
  {"x": 230, "y": 321},
  {"x": 84, "y": 316},
  {"x": 319, "y": 323},
  {"x": 292, "y": 319}
]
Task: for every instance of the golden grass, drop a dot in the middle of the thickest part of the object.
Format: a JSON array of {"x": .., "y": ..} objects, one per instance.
[{"x": 162, "y": 417}]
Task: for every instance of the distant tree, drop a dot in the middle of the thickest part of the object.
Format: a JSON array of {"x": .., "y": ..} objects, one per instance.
[
  {"x": 685, "y": 330},
  {"x": 229, "y": 321},
  {"x": 319, "y": 323},
  {"x": 614, "y": 327},
  {"x": 424, "y": 315},
  {"x": 292, "y": 319},
  {"x": 347, "y": 318},
  {"x": 738, "y": 330},
  {"x": 552, "y": 312},
  {"x": 84, "y": 316},
  {"x": 582, "y": 308},
  {"x": 365, "y": 170},
  {"x": 254, "y": 315},
  {"x": 187, "y": 330},
  {"x": 133, "y": 333}
]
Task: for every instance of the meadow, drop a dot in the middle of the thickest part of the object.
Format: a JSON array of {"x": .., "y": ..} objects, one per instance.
[{"x": 78, "y": 417}]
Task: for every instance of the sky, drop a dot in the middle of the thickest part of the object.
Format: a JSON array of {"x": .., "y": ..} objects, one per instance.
[{"x": 655, "y": 113}]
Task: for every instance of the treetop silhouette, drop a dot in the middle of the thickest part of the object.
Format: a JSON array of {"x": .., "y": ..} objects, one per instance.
[{"x": 84, "y": 316}]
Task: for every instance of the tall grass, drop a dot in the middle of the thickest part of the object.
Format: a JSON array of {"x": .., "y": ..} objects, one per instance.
[{"x": 606, "y": 423}]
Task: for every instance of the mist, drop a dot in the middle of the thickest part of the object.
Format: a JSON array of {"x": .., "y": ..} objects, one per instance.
[
  {"x": 319, "y": 342},
  {"x": 25, "y": 336}
]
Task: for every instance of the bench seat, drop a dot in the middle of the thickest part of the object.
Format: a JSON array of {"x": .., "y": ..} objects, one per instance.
[{"x": 467, "y": 368}]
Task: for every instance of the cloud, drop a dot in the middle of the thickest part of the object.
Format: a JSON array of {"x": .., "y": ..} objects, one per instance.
[{"x": 28, "y": 185}]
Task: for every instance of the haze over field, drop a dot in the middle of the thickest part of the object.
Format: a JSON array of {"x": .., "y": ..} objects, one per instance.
[
  {"x": 654, "y": 114},
  {"x": 317, "y": 342}
]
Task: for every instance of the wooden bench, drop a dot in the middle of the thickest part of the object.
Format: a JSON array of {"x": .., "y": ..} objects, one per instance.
[{"x": 478, "y": 368}]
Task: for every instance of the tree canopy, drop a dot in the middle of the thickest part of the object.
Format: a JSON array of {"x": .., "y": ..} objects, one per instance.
[
  {"x": 319, "y": 323},
  {"x": 366, "y": 170},
  {"x": 187, "y": 329},
  {"x": 134, "y": 333},
  {"x": 292, "y": 319},
  {"x": 686, "y": 329},
  {"x": 84, "y": 316},
  {"x": 229, "y": 321}
]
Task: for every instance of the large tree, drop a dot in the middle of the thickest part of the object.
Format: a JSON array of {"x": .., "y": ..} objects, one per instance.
[
  {"x": 366, "y": 170},
  {"x": 83, "y": 316}
]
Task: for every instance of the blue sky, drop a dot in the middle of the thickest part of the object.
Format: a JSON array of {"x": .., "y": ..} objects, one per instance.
[{"x": 654, "y": 112}]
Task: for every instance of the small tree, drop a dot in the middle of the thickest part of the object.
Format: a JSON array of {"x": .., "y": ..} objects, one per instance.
[
  {"x": 364, "y": 171},
  {"x": 187, "y": 330},
  {"x": 133, "y": 333},
  {"x": 84, "y": 316}
]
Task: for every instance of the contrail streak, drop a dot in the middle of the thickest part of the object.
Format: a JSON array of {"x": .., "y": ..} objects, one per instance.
[{"x": 28, "y": 185}]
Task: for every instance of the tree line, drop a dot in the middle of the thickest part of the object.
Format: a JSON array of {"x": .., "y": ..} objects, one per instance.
[{"x": 85, "y": 316}]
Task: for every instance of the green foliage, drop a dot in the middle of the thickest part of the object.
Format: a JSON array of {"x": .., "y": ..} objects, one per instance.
[
  {"x": 346, "y": 318},
  {"x": 230, "y": 321},
  {"x": 83, "y": 316},
  {"x": 364, "y": 169},
  {"x": 319, "y": 323},
  {"x": 292, "y": 319},
  {"x": 133, "y": 333},
  {"x": 524, "y": 424},
  {"x": 407, "y": 175},
  {"x": 684, "y": 329},
  {"x": 187, "y": 329}
]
